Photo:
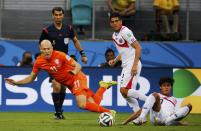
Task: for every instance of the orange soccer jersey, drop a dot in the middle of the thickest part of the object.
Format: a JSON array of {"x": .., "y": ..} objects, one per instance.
[{"x": 58, "y": 66}]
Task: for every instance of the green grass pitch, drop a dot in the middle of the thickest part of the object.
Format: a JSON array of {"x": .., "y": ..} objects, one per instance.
[{"x": 84, "y": 121}]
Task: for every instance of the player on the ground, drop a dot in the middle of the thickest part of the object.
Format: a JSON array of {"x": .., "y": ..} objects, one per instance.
[
  {"x": 162, "y": 107},
  {"x": 129, "y": 53},
  {"x": 60, "y": 34},
  {"x": 68, "y": 72}
]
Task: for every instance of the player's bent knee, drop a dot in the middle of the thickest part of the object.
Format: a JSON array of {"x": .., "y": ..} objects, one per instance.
[
  {"x": 124, "y": 92},
  {"x": 63, "y": 89},
  {"x": 56, "y": 89}
]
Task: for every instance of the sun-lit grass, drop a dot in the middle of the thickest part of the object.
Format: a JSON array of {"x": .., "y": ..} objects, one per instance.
[{"x": 85, "y": 121}]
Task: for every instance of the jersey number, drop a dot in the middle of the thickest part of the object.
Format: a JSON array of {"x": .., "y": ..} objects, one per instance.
[
  {"x": 161, "y": 101},
  {"x": 77, "y": 83}
]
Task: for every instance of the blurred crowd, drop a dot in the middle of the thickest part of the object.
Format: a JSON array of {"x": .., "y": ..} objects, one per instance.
[
  {"x": 166, "y": 25},
  {"x": 166, "y": 17}
]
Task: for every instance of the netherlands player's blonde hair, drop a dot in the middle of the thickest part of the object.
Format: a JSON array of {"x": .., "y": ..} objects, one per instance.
[{"x": 45, "y": 42}]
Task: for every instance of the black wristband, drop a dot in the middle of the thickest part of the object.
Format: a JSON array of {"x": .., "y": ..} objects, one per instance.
[{"x": 82, "y": 53}]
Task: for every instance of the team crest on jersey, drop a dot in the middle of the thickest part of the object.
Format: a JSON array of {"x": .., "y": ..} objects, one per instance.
[
  {"x": 120, "y": 40},
  {"x": 57, "y": 62},
  {"x": 66, "y": 40}
]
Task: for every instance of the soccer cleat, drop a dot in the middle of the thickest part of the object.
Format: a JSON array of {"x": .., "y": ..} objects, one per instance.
[
  {"x": 107, "y": 85},
  {"x": 114, "y": 83},
  {"x": 62, "y": 116},
  {"x": 113, "y": 113},
  {"x": 139, "y": 121},
  {"x": 58, "y": 116}
]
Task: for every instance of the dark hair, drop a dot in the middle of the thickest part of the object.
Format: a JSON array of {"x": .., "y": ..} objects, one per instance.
[
  {"x": 107, "y": 51},
  {"x": 26, "y": 52},
  {"x": 166, "y": 80},
  {"x": 115, "y": 15},
  {"x": 57, "y": 9},
  {"x": 36, "y": 55}
]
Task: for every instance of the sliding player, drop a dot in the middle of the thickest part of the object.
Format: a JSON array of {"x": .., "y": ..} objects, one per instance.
[{"x": 67, "y": 72}]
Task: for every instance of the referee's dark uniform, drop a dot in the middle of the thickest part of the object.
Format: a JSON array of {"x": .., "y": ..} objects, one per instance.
[{"x": 59, "y": 38}]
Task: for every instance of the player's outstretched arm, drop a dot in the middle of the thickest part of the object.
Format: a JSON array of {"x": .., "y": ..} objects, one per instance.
[
  {"x": 26, "y": 80},
  {"x": 78, "y": 67}
]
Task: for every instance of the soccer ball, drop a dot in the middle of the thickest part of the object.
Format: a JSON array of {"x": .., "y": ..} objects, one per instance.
[{"x": 105, "y": 119}]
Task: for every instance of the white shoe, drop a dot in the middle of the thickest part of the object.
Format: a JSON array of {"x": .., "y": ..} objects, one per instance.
[{"x": 139, "y": 121}]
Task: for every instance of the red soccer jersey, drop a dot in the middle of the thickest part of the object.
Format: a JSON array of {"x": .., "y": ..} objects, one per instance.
[{"x": 63, "y": 64}]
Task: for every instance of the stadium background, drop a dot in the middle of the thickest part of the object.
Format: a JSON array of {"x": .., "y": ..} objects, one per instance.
[{"x": 19, "y": 32}]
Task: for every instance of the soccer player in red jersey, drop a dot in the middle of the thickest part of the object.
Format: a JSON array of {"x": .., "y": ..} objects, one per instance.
[{"x": 68, "y": 72}]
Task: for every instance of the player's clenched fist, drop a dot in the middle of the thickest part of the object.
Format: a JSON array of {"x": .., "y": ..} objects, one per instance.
[
  {"x": 112, "y": 62},
  {"x": 84, "y": 59}
]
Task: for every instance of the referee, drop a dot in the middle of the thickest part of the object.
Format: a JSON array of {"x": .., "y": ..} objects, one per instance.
[{"x": 59, "y": 34}]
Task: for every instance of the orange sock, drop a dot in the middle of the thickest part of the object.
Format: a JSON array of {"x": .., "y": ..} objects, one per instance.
[
  {"x": 95, "y": 107},
  {"x": 99, "y": 95}
]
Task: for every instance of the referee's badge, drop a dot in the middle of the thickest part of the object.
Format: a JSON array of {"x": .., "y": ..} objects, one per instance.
[
  {"x": 53, "y": 42},
  {"x": 66, "y": 40}
]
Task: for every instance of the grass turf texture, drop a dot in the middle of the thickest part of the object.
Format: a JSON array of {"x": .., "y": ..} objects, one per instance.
[{"x": 85, "y": 121}]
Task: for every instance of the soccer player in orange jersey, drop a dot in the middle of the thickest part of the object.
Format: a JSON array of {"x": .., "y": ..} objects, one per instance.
[{"x": 67, "y": 72}]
